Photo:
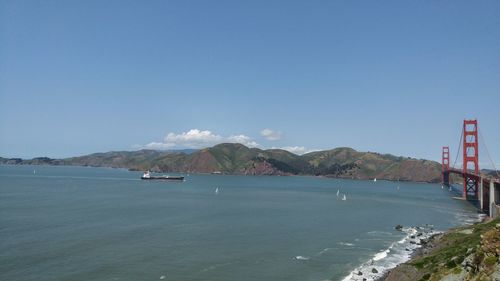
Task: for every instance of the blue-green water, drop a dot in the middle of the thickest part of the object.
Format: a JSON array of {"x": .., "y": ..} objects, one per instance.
[{"x": 76, "y": 223}]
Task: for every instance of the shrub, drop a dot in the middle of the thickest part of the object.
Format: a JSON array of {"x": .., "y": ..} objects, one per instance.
[
  {"x": 451, "y": 264},
  {"x": 490, "y": 261}
]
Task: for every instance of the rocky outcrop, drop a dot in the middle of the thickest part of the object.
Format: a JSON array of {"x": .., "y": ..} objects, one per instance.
[{"x": 470, "y": 253}]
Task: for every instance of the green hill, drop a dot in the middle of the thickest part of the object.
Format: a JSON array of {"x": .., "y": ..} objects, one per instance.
[{"x": 233, "y": 158}]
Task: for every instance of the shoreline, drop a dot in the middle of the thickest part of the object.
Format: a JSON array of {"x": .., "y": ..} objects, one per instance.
[
  {"x": 328, "y": 177},
  {"x": 398, "y": 252},
  {"x": 419, "y": 242},
  {"x": 427, "y": 246},
  {"x": 424, "y": 262}
]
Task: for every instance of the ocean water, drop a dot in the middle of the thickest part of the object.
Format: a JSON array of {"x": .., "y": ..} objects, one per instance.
[{"x": 78, "y": 223}]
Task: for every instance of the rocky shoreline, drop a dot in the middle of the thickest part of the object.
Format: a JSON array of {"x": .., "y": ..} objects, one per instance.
[
  {"x": 398, "y": 252},
  {"x": 465, "y": 253},
  {"x": 428, "y": 245}
]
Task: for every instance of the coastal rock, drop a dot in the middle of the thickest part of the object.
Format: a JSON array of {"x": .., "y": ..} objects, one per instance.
[
  {"x": 455, "y": 277},
  {"x": 398, "y": 227},
  {"x": 469, "y": 253},
  {"x": 374, "y": 270},
  {"x": 468, "y": 263},
  {"x": 404, "y": 272},
  {"x": 466, "y": 231}
]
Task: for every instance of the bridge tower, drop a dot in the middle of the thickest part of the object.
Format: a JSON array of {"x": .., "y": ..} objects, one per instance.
[
  {"x": 470, "y": 158},
  {"x": 445, "y": 165}
]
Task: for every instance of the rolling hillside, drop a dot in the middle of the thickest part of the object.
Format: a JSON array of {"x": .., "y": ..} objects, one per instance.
[{"x": 233, "y": 158}]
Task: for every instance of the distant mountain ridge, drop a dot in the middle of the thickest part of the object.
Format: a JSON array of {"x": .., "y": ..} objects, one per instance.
[{"x": 234, "y": 158}]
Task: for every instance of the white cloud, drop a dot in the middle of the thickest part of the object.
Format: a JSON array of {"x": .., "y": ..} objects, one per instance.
[
  {"x": 195, "y": 138},
  {"x": 296, "y": 149},
  {"x": 270, "y": 134},
  {"x": 155, "y": 145},
  {"x": 245, "y": 140}
]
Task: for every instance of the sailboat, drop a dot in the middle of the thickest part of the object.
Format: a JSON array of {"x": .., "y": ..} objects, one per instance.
[
  {"x": 344, "y": 198},
  {"x": 217, "y": 190},
  {"x": 338, "y": 191},
  {"x": 375, "y": 179},
  {"x": 398, "y": 187}
]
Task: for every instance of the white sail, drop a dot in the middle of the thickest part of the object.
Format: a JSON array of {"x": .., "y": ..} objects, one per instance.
[
  {"x": 344, "y": 198},
  {"x": 217, "y": 190},
  {"x": 338, "y": 191}
]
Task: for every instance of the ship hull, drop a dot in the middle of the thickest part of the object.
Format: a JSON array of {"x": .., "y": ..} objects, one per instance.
[{"x": 163, "y": 178}]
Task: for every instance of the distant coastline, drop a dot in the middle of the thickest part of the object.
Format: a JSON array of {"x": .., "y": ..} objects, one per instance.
[{"x": 237, "y": 159}]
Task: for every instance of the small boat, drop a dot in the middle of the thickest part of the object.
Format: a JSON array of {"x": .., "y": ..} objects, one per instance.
[
  {"x": 216, "y": 191},
  {"x": 344, "y": 198},
  {"x": 147, "y": 176}
]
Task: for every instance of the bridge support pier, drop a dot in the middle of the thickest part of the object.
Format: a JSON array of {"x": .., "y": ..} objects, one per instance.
[
  {"x": 491, "y": 204},
  {"x": 481, "y": 193}
]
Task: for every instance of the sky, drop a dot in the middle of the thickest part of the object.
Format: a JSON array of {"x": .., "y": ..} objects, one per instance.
[{"x": 398, "y": 77}]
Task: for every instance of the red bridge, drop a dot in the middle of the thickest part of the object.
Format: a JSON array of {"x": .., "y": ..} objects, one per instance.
[{"x": 477, "y": 186}]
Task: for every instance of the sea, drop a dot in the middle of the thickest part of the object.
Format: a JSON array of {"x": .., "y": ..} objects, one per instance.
[{"x": 83, "y": 223}]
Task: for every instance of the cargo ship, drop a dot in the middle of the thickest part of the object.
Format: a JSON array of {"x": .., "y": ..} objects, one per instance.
[{"x": 147, "y": 176}]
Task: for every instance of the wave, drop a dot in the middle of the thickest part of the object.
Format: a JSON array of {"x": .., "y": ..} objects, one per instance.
[
  {"x": 379, "y": 233},
  {"x": 469, "y": 218},
  {"x": 381, "y": 255},
  {"x": 302, "y": 258},
  {"x": 398, "y": 252},
  {"x": 324, "y": 251}
]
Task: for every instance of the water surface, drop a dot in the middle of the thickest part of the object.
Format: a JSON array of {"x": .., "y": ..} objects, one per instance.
[{"x": 77, "y": 223}]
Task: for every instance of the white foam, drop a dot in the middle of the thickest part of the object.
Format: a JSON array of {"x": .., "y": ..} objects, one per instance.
[
  {"x": 398, "y": 252},
  {"x": 346, "y": 244},
  {"x": 162, "y": 277},
  {"x": 324, "y": 251},
  {"x": 379, "y": 233},
  {"x": 348, "y": 277},
  {"x": 302, "y": 258},
  {"x": 381, "y": 255}
]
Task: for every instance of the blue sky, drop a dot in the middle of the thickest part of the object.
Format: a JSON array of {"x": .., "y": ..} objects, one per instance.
[{"x": 397, "y": 77}]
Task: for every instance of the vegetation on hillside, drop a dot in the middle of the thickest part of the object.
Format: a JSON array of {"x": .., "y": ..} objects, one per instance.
[
  {"x": 232, "y": 158},
  {"x": 467, "y": 253}
]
